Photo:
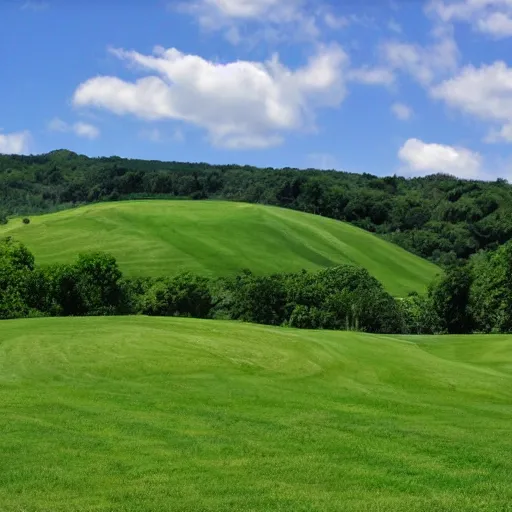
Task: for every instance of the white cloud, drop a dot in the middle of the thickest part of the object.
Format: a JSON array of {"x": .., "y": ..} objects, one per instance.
[
  {"x": 401, "y": 111},
  {"x": 275, "y": 15},
  {"x": 422, "y": 159},
  {"x": 247, "y": 9},
  {"x": 86, "y": 130},
  {"x": 240, "y": 104},
  {"x": 491, "y": 17},
  {"x": 15, "y": 143},
  {"x": 80, "y": 129},
  {"x": 485, "y": 93},
  {"x": 250, "y": 21},
  {"x": 372, "y": 76},
  {"x": 423, "y": 63}
]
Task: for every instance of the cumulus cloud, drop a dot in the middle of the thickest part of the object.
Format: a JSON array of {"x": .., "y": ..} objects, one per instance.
[
  {"x": 491, "y": 17},
  {"x": 80, "y": 129},
  {"x": 484, "y": 92},
  {"x": 15, "y": 143},
  {"x": 240, "y": 104},
  {"x": 423, "y": 63},
  {"x": 421, "y": 159},
  {"x": 401, "y": 111}
]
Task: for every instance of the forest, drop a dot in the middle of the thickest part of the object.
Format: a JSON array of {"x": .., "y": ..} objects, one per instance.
[
  {"x": 438, "y": 217},
  {"x": 468, "y": 298}
]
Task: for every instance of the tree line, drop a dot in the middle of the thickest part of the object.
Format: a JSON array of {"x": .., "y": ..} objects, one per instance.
[
  {"x": 437, "y": 217},
  {"x": 470, "y": 297}
]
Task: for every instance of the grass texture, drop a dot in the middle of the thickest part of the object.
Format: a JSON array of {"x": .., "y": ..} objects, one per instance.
[
  {"x": 156, "y": 238},
  {"x": 154, "y": 414}
]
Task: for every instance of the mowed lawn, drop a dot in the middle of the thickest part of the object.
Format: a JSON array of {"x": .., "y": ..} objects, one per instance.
[
  {"x": 162, "y": 414},
  {"x": 156, "y": 238}
]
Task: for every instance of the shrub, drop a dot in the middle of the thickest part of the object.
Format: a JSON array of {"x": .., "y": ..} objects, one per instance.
[
  {"x": 184, "y": 295},
  {"x": 97, "y": 280},
  {"x": 26, "y": 220},
  {"x": 16, "y": 265}
]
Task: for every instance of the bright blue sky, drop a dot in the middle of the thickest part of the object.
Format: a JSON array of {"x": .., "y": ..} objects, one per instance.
[{"x": 381, "y": 87}]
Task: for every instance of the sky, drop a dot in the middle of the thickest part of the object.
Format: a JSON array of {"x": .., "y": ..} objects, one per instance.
[{"x": 405, "y": 87}]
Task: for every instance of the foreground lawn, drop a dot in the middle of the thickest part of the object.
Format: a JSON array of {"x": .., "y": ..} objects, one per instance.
[
  {"x": 158, "y": 238},
  {"x": 149, "y": 414}
]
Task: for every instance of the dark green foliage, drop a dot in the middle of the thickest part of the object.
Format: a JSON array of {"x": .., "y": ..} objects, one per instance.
[
  {"x": 26, "y": 220},
  {"x": 491, "y": 290},
  {"x": 183, "y": 295},
  {"x": 449, "y": 300},
  {"x": 472, "y": 297},
  {"x": 438, "y": 217},
  {"x": 16, "y": 265},
  {"x": 91, "y": 286},
  {"x": 418, "y": 315},
  {"x": 258, "y": 299},
  {"x": 97, "y": 279},
  {"x": 343, "y": 297}
]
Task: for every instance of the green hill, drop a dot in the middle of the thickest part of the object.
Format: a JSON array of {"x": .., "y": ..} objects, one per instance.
[
  {"x": 155, "y": 238},
  {"x": 151, "y": 414}
]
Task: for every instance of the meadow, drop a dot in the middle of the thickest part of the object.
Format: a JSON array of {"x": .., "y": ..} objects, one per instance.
[
  {"x": 215, "y": 238},
  {"x": 149, "y": 414}
]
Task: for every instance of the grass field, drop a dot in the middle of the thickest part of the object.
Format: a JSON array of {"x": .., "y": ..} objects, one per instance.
[
  {"x": 155, "y": 238},
  {"x": 149, "y": 414}
]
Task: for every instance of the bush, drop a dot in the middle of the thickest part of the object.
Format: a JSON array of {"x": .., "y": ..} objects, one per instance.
[
  {"x": 306, "y": 317},
  {"x": 16, "y": 266},
  {"x": 26, "y": 220},
  {"x": 257, "y": 299},
  {"x": 97, "y": 279},
  {"x": 184, "y": 295}
]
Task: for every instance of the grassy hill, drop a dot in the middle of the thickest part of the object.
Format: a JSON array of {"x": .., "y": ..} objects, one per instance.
[
  {"x": 154, "y": 238},
  {"x": 149, "y": 414}
]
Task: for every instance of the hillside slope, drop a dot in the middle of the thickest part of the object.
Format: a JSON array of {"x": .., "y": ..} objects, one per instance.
[
  {"x": 155, "y": 238},
  {"x": 146, "y": 414}
]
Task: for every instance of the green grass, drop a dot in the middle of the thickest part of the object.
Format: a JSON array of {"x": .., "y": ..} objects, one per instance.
[
  {"x": 149, "y": 414},
  {"x": 155, "y": 238}
]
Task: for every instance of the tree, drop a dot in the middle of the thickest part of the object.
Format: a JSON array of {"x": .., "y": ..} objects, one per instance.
[
  {"x": 258, "y": 299},
  {"x": 184, "y": 295},
  {"x": 449, "y": 296},
  {"x": 16, "y": 265},
  {"x": 97, "y": 279},
  {"x": 418, "y": 315},
  {"x": 491, "y": 290}
]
